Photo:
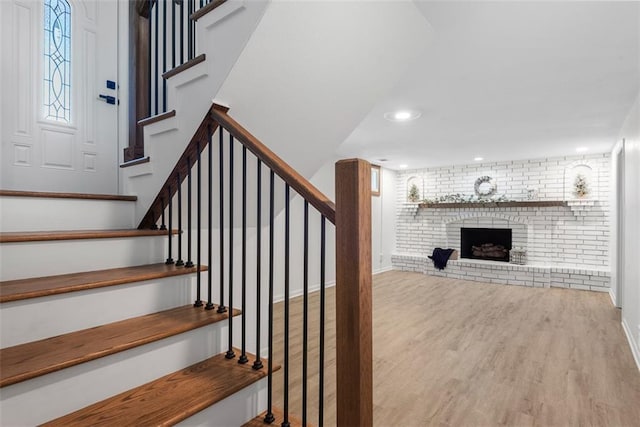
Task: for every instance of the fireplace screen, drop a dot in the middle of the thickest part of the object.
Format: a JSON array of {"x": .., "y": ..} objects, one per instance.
[{"x": 485, "y": 243}]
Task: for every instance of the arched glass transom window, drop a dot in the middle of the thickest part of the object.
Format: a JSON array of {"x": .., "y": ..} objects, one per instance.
[{"x": 57, "y": 60}]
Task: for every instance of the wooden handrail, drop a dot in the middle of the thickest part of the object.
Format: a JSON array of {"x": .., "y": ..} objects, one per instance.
[
  {"x": 354, "y": 375},
  {"x": 300, "y": 184},
  {"x": 217, "y": 115}
]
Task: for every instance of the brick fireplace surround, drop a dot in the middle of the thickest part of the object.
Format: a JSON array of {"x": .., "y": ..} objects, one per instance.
[{"x": 566, "y": 239}]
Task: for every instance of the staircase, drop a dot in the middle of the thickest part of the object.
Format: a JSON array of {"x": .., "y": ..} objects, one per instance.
[{"x": 96, "y": 331}]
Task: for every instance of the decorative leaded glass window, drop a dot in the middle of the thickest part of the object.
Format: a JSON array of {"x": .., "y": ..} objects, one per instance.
[{"x": 57, "y": 60}]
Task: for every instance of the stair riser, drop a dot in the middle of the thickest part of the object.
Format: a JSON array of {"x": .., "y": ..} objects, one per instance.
[
  {"x": 40, "y": 214},
  {"x": 235, "y": 410},
  {"x": 44, "y": 398},
  {"x": 38, "y": 318},
  {"x": 38, "y": 259}
]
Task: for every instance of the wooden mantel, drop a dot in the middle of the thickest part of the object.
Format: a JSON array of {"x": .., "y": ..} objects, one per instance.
[{"x": 522, "y": 204}]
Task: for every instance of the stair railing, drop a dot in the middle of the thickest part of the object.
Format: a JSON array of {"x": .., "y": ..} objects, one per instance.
[
  {"x": 351, "y": 214},
  {"x": 162, "y": 38}
]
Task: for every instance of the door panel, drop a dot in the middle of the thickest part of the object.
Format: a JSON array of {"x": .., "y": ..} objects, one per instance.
[{"x": 75, "y": 155}]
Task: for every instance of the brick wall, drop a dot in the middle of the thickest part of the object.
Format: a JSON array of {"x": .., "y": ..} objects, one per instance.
[
  {"x": 574, "y": 236},
  {"x": 551, "y": 177}
]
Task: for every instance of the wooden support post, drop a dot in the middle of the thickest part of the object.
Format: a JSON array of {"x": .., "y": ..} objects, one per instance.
[
  {"x": 353, "y": 294},
  {"x": 139, "y": 74}
]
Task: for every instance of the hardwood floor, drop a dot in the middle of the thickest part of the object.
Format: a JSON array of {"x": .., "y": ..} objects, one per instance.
[{"x": 454, "y": 353}]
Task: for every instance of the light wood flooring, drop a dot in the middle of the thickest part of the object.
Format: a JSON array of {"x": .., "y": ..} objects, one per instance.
[{"x": 455, "y": 353}]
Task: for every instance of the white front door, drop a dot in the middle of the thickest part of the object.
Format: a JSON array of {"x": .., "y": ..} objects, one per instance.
[{"x": 57, "y": 133}]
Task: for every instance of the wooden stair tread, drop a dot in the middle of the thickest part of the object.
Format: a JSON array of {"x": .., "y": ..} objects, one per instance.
[
  {"x": 39, "y": 236},
  {"x": 206, "y": 9},
  {"x": 14, "y": 290},
  {"x": 158, "y": 117},
  {"x": 172, "y": 398},
  {"x": 279, "y": 417},
  {"x": 180, "y": 68},
  {"x": 29, "y": 360},
  {"x": 135, "y": 162},
  {"x": 56, "y": 195}
]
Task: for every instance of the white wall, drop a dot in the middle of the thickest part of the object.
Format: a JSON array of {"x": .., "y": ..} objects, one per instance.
[
  {"x": 383, "y": 222},
  {"x": 383, "y": 228},
  {"x": 631, "y": 276},
  {"x": 616, "y": 197}
]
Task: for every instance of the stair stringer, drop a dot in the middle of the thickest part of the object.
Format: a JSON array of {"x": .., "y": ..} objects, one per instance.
[{"x": 221, "y": 36}]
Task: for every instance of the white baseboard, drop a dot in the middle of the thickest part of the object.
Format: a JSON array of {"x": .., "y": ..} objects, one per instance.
[
  {"x": 315, "y": 288},
  {"x": 299, "y": 292},
  {"x": 635, "y": 349},
  {"x": 383, "y": 269},
  {"x": 612, "y": 295}
]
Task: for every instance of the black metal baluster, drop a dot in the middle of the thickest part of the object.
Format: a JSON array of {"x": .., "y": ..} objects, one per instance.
[
  {"x": 193, "y": 31},
  {"x": 162, "y": 225},
  {"x": 221, "y": 307},
  {"x": 149, "y": 56},
  {"x": 169, "y": 258},
  {"x": 243, "y": 357},
  {"x": 269, "y": 417},
  {"x": 157, "y": 61},
  {"x": 164, "y": 55},
  {"x": 305, "y": 311},
  {"x": 321, "y": 344},
  {"x": 179, "y": 262},
  {"x": 257, "y": 364},
  {"x": 189, "y": 263},
  {"x": 173, "y": 34},
  {"x": 181, "y": 31},
  {"x": 190, "y": 33},
  {"x": 285, "y": 421},
  {"x": 210, "y": 305},
  {"x": 198, "y": 302},
  {"x": 230, "y": 353}
]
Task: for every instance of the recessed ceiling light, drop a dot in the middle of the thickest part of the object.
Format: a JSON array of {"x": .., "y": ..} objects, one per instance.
[
  {"x": 403, "y": 166},
  {"x": 478, "y": 159},
  {"x": 402, "y": 115},
  {"x": 582, "y": 149},
  {"x": 383, "y": 160}
]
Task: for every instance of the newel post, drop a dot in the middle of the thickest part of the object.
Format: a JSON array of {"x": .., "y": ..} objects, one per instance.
[{"x": 353, "y": 294}]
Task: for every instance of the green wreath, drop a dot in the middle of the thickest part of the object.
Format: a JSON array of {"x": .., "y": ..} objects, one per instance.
[{"x": 483, "y": 191}]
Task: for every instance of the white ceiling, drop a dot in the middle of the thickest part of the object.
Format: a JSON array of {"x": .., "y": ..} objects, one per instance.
[
  {"x": 507, "y": 81},
  {"x": 313, "y": 70}
]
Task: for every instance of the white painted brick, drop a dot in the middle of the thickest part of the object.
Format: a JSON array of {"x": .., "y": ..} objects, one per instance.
[
  {"x": 576, "y": 236},
  {"x": 581, "y": 287}
]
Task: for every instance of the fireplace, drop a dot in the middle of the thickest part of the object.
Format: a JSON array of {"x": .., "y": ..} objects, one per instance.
[{"x": 485, "y": 243}]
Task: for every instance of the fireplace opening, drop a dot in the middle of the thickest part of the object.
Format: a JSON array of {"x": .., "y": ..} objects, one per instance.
[{"x": 491, "y": 244}]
